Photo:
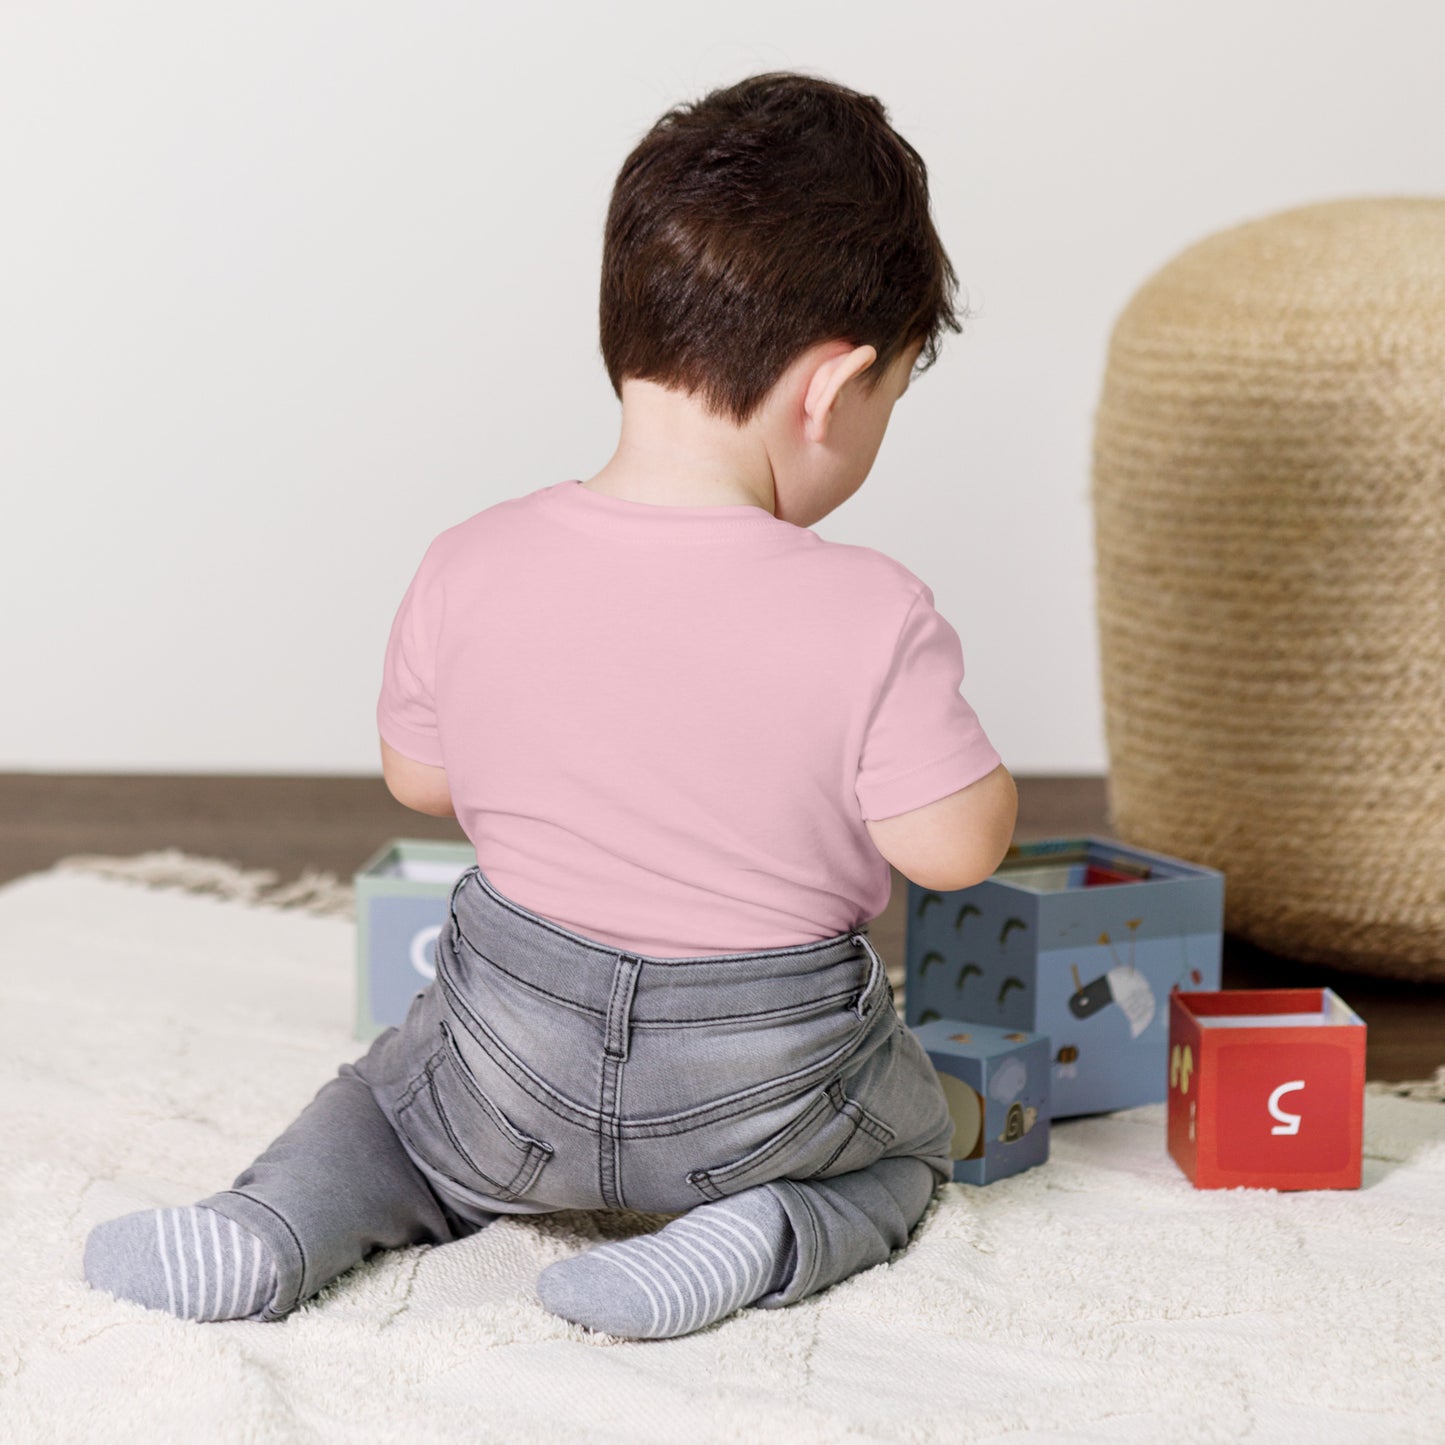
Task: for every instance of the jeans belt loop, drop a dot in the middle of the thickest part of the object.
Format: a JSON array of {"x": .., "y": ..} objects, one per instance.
[{"x": 872, "y": 972}]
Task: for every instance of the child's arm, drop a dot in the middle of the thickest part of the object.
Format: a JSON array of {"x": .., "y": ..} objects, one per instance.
[
  {"x": 415, "y": 785},
  {"x": 955, "y": 842}
]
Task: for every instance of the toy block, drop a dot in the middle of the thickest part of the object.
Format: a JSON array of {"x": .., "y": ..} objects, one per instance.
[
  {"x": 403, "y": 893},
  {"x": 996, "y": 1082},
  {"x": 1266, "y": 1088},
  {"x": 1079, "y": 939}
]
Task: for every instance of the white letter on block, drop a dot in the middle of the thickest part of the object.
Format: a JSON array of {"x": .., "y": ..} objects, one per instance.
[
  {"x": 423, "y": 960},
  {"x": 1288, "y": 1123}
]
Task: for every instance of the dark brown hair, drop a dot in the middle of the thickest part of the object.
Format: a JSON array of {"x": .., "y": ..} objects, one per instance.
[{"x": 758, "y": 221}]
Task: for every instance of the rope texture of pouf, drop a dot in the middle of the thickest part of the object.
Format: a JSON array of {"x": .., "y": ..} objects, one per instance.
[{"x": 1269, "y": 508}]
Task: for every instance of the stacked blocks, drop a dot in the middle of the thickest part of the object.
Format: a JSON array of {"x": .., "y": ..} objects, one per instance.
[
  {"x": 1078, "y": 939},
  {"x": 403, "y": 892},
  {"x": 996, "y": 1082},
  {"x": 1266, "y": 1088}
]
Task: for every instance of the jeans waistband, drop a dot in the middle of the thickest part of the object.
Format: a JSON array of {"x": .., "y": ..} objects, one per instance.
[{"x": 584, "y": 972}]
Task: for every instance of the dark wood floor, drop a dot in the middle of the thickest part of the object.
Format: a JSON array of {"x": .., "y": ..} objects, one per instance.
[{"x": 334, "y": 824}]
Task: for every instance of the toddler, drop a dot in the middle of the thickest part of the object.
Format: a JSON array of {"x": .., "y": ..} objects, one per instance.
[{"x": 687, "y": 736}]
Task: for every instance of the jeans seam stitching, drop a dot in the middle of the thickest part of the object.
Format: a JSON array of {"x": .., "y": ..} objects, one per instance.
[
  {"x": 531, "y": 1150},
  {"x": 568, "y": 1109},
  {"x": 819, "y": 1003},
  {"x": 576, "y": 940}
]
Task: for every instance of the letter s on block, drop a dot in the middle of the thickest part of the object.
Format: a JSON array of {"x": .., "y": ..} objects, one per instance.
[{"x": 1288, "y": 1123}]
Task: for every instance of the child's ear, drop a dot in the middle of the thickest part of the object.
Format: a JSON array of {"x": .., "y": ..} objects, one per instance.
[{"x": 829, "y": 378}]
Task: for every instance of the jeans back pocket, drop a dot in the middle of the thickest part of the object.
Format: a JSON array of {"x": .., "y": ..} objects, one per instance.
[
  {"x": 451, "y": 1128},
  {"x": 832, "y": 1134}
]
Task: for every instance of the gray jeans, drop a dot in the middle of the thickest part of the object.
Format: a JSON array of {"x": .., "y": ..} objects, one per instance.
[{"x": 543, "y": 1070}]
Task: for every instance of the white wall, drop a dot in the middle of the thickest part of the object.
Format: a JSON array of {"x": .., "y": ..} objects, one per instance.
[{"x": 287, "y": 288}]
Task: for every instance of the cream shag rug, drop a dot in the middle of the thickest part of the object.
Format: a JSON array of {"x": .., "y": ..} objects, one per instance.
[{"x": 156, "y": 1038}]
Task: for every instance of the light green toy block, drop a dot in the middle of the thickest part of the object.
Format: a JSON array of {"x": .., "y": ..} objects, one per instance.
[{"x": 402, "y": 896}]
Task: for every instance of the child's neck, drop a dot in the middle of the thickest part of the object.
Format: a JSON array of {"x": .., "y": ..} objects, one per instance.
[
  {"x": 677, "y": 489},
  {"x": 674, "y": 453}
]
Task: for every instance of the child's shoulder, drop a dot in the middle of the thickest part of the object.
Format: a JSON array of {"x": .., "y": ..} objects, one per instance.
[
  {"x": 884, "y": 578},
  {"x": 874, "y": 581},
  {"x": 493, "y": 523}
]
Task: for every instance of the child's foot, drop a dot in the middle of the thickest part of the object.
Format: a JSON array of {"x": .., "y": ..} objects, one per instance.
[
  {"x": 712, "y": 1260},
  {"x": 190, "y": 1260}
]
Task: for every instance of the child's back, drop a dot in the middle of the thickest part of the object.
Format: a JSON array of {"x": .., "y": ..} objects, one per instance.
[
  {"x": 664, "y": 726},
  {"x": 667, "y": 714},
  {"x": 684, "y": 734}
]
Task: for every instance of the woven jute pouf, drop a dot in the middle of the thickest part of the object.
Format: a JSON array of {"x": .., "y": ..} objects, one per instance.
[{"x": 1269, "y": 509}]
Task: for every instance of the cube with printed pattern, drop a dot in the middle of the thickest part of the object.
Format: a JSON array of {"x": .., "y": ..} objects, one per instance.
[
  {"x": 402, "y": 896},
  {"x": 996, "y": 1082},
  {"x": 1079, "y": 939},
  {"x": 1266, "y": 1088}
]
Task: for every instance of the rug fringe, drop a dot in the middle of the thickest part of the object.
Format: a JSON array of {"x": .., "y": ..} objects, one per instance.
[
  {"x": 1432, "y": 1088},
  {"x": 321, "y": 893}
]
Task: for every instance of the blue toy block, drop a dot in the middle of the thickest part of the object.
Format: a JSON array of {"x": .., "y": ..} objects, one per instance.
[
  {"x": 1081, "y": 939},
  {"x": 402, "y": 893},
  {"x": 996, "y": 1082}
]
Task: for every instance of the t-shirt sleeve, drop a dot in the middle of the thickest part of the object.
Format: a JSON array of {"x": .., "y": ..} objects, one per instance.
[
  {"x": 923, "y": 740},
  {"x": 406, "y": 715}
]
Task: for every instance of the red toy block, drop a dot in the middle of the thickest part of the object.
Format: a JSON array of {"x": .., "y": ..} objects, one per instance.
[{"x": 1266, "y": 1088}]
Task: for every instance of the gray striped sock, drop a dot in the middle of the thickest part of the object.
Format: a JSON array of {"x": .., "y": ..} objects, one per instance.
[
  {"x": 696, "y": 1269},
  {"x": 189, "y": 1260}
]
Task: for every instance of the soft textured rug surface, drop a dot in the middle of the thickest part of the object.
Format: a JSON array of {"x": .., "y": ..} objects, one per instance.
[{"x": 154, "y": 1040}]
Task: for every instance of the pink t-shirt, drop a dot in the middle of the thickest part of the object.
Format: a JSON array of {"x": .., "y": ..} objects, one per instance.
[{"x": 663, "y": 727}]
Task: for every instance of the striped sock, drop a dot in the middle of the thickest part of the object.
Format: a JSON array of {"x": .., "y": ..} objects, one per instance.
[
  {"x": 712, "y": 1260},
  {"x": 191, "y": 1261}
]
